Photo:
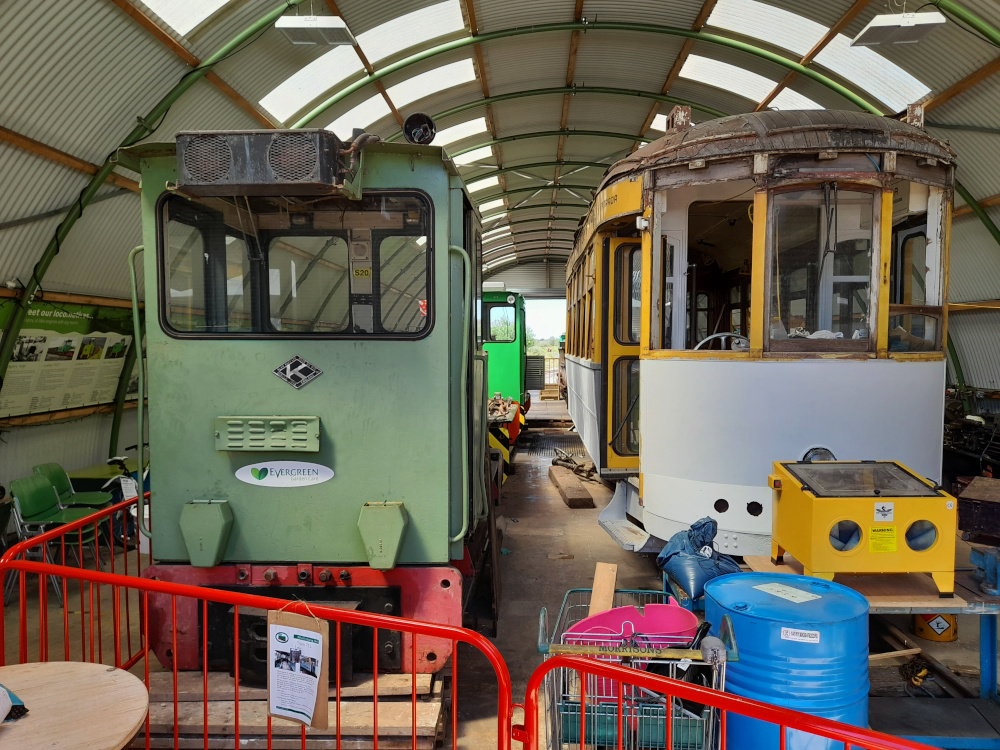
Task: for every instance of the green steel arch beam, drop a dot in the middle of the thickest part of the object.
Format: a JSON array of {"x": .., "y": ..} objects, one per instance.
[
  {"x": 551, "y": 134},
  {"x": 540, "y": 230},
  {"x": 535, "y": 207},
  {"x": 500, "y": 267},
  {"x": 537, "y": 165},
  {"x": 523, "y": 248},
  {"x": 558, "y": 90},
  {"x": 546, "y": 219},
  {"x": 145, "y": 127},
  {"x": 540, "y": 189},
  {"x": 590, "y": 27}
]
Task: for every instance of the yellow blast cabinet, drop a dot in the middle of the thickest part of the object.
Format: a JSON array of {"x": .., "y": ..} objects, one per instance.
[{"x": 862, "y": 517}]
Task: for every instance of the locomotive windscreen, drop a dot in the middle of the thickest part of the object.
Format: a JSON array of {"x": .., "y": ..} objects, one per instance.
[{"x": 252, "y": 266}]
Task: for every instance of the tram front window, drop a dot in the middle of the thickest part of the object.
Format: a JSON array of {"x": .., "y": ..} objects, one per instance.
[{"x": 821, "y": 268}]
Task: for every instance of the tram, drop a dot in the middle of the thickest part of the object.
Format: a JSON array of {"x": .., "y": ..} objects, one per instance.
[
  {"x": 767, "y": 286},
  {"x": 315, "y": 384}
]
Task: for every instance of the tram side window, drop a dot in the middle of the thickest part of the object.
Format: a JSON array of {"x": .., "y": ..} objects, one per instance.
[
  {"x": 821, "y": 268},
  {"x": 501, "y": 323},
  {"x": 915, "y": 277},
  {"x": 625, "y": 412},
  {"x": 629, "y": 293}
]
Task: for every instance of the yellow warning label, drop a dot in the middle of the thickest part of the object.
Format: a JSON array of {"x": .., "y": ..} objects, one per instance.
[
  {"x": 362, "y": 273},
  {"x": 882, "y": 539}
]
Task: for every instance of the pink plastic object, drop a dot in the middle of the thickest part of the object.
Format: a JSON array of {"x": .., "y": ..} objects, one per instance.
[{"x": 656, "y": 626}]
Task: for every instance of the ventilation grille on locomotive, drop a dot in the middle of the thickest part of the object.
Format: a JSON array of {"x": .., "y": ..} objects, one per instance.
[{"x": 297, "y": 162}]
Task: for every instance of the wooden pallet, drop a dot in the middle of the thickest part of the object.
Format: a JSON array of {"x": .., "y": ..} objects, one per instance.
[{"x": 395, "y": 730}]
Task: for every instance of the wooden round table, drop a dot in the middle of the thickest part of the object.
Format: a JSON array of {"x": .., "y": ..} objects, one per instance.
[{"x": 73, "y": 705}]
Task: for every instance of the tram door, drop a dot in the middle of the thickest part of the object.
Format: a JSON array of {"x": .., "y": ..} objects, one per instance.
[{"x": 623, "y": 270}]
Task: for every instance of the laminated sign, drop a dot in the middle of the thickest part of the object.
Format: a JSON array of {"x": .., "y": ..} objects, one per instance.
[{"x": 298, "y": 676}]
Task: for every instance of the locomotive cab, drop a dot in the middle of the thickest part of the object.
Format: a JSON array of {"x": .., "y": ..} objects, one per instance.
[{"x": 309, "y": 325}]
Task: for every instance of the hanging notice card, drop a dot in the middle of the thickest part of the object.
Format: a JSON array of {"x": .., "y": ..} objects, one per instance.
[{"x": 298, "y": 675}]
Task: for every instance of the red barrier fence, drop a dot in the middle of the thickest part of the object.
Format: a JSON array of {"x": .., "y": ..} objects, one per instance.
[{"x": 399, "y": 710}]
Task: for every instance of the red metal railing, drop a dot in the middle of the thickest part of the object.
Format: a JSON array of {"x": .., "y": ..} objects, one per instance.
[
  {"x": 783, "y": 718},
  {"x": 114, "y": 624}
]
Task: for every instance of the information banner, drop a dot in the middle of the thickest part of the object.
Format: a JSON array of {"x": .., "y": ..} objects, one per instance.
[{"x": 66, "y": 356}]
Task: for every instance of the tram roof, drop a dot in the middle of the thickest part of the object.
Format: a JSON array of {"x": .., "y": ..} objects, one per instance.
[{"x": 533, "y": 100}]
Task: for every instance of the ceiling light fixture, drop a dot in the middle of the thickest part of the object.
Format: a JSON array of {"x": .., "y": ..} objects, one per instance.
[
  {"x": 898, "y": 28},
  {"x": 329, "y": 30}
]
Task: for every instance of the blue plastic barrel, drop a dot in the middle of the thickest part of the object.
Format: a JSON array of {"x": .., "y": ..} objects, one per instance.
[{"x": 803, "y": 645}]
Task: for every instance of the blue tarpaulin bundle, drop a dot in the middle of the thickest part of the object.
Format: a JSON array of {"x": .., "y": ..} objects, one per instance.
[{"x": 691, "y": 560}]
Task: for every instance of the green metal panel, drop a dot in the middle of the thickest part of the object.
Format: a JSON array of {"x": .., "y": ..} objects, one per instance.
[
  {"x": 507, "y": 359},
  {"x": 386, "y": 407},
  {"x": 267, "y": 433}
]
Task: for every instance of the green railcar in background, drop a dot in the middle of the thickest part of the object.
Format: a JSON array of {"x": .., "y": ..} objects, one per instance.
[
  {"x": 316, "y": 393},
  {"x": 505, "y": 341}
]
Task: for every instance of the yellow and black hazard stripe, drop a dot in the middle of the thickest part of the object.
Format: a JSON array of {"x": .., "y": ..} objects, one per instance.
[{"x": 500, "y": 440}]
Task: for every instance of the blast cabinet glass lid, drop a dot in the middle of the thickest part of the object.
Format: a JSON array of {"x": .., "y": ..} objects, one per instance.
[{"x": 859, "y": 479}]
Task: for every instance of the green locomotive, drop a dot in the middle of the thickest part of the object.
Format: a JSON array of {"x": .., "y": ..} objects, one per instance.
[
  {"x": 315, "y": 387},
  {"x": 505, "y": 341}
]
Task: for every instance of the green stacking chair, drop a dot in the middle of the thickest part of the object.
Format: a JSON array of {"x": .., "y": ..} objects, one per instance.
[
  {"x": 68, "y": 497},
  {"x": 36, "y": 510}
]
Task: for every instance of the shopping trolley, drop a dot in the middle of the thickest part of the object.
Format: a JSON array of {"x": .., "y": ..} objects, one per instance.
[{"x": 642, "y": 722}]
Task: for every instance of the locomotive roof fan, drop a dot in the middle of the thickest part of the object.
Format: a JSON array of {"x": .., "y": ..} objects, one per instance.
[
  {"x": 419, "y": 129},
  {"x": 221, "y": 163}
]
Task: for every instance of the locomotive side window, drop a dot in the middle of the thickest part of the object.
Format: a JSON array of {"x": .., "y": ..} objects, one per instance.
[
  {"x": 284, "y": 266},
  {"x": 500, "y": 319},
  {"x": 821, "y": 270}
]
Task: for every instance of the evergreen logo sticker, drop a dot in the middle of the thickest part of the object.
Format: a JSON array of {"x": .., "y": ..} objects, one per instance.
[{"x": 284, "y": 474}]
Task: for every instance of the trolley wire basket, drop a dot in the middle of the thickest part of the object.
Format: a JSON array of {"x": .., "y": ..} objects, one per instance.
[{"x": 641, "y": 722}]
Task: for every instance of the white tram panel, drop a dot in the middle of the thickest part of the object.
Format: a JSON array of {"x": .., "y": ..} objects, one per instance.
[
  {"x": 583, "y": 388},
  {"x": 710, "y": 430}
]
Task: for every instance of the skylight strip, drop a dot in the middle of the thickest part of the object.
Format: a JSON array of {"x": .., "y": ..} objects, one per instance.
[
  {"x": 475, "y": 187},
  {"x": 496, "y": 230},
  {"x": 361, "y": 116},
  {"x": 733, "y": 78},
  {"x": 432, "y": 82},
  {"x": 411, "y": 29},
  {"x": 477, "y": 155},
  {"x": 790, "y": 99},
  {"x": 184, "y": 15},
  {"x": 865, "y": 67},
  {"x": 490, "y": 204},
  {"x": 321, "y": 75},
  {"x": 461, "y": 131}
]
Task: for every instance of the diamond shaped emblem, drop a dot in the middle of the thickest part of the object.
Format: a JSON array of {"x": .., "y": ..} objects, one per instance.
[{"x": 297, "y": 372}]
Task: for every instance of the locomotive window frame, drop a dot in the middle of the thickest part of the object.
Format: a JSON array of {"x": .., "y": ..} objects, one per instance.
[
  {"x": 797, "y": 346},
  {"x": 259, "y": 281},
  {"x": 488, "y": 308}
]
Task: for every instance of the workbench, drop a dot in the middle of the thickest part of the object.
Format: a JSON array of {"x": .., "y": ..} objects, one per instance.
[{"x": 963, "y": 724}]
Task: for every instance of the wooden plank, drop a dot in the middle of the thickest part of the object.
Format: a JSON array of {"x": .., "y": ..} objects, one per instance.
[
  {"x": 888, "y": 590},
  {"x": 221, "y": 687},
  {"x": 357, "y": 719},
  {"x": 893, "y": 654},
  {"x": 982, "y": 488},
  {"x": 602, "y": 596},
  {"x": 571, "y": 489}
]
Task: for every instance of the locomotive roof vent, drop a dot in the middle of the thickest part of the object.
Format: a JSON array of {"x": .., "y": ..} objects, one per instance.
[{"x": 298, "y": 162}]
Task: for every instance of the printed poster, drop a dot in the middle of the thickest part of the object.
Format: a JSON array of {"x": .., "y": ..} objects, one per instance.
[
  {"x": 66, "y": 356},
  {"x": 298, "y": 649}
]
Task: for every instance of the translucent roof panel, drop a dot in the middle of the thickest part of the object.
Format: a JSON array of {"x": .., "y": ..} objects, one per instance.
[
  {"x": 476, "y": 155},
  {"x": 496, "y": 231},
  {"x": 736, "y": 79},
  {"x": 490, "y": 205},
  {"x": 872, "y": 72},
  {"x": 411, "y": 29},
  {"x": 360, "y": 116},
  {"x": 475, "y": 187},
  {"x": 432, "y": 82},
  {"x": 184, "y": 15},
  {"x": 790, "y": 99},
  {"x": 321, "y": 75},
  {"x": 460, "y": 131},
  {"x": 865, "y": 67}
]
